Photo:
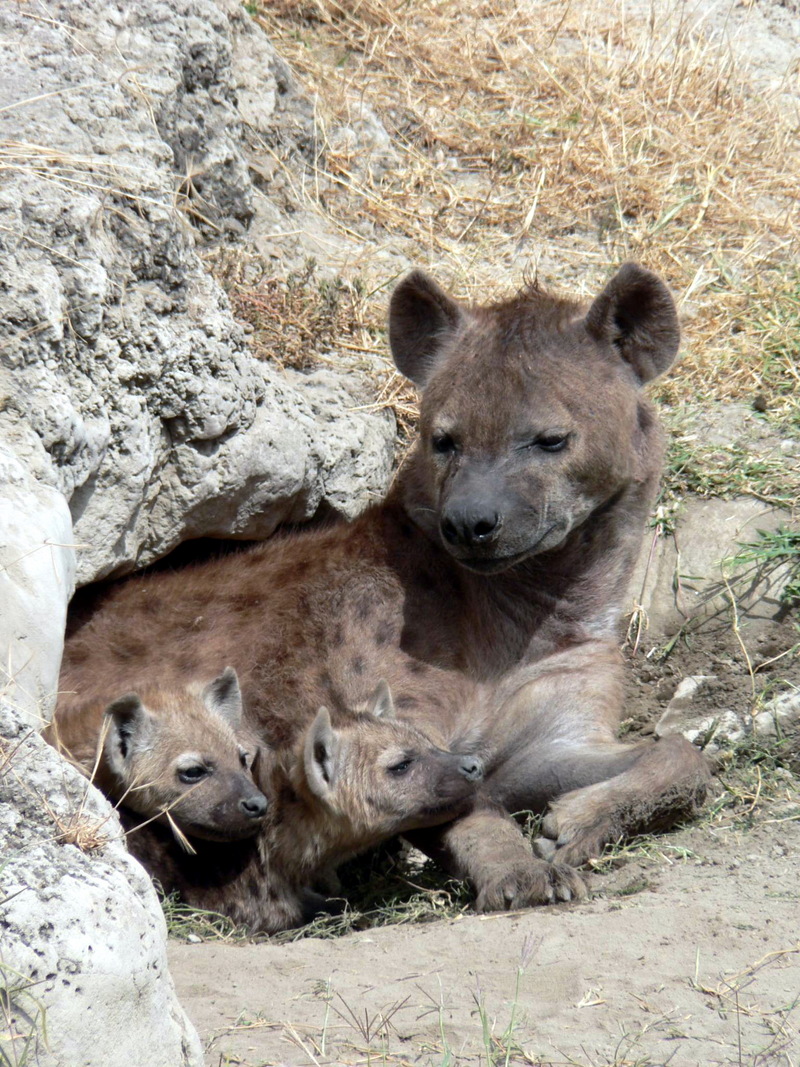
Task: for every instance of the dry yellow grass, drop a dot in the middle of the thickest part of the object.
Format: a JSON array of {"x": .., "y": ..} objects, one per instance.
[{"x": 566, "y": 135}]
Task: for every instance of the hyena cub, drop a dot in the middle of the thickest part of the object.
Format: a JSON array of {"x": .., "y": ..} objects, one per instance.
[
  {"x": 178, "y": 755},
  {"x": 342, "y": 787}
]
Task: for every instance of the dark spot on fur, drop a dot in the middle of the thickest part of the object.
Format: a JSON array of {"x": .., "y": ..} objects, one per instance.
[
  {"x": 405, "y": 530},
  {"x": 254, "y": 887},
  {"x": 363, "y": 608},
  {"x": 645, "y": 417},
  {"x": 78, "y": 655},
  {"x": 337, "y": 637},
  {"x": 384, "y": 633},
  {"x": 324, "y": 679},
  {"x": 378, "y": 803},
  {"x": 358, "y": 665},
  {"x": 187, "y": 663},
  {"x": 406, "y": 702},
  {"x": 242, "y": 601},
  {"x": 130, "y": 650},
  {"x": 303, "y": 604},
  {"x": 416, "y": 667}
]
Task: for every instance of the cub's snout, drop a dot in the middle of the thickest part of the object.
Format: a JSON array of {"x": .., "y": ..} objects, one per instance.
[
  {"x": 254, "y": 807},
  {"x": 471, "y": 767}
]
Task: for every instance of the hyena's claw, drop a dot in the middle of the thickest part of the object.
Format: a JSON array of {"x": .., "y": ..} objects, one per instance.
[
  {"x": 536, "y": 882},
  {"x": 544, "y": 848}
]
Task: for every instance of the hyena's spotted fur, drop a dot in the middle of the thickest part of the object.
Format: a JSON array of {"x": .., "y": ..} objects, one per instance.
[
  {"x": 180, "y": 754},
  {"x": 345, "y": 785}
]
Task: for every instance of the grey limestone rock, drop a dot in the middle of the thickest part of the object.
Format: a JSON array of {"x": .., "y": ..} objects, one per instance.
[
  {"x": 121, "y": 352},
  {"x": 37, "y": 576},
  {"x": 688, "y": 575},
  {"x": 83, "y": 968},
  {"x": 696, "y": 722}
]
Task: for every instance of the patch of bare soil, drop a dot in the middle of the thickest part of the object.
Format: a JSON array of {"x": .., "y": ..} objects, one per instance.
[{"x": 686, "y": 956}]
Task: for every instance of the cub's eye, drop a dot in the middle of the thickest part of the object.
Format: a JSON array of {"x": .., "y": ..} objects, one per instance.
[
  {"x": 552, "y": 442},
  {"x": 399, "y": 769},
  {"x": 192, "y": 774},
  {"x": 244, "y": 758},
  {"x": 443, "y": 444}
]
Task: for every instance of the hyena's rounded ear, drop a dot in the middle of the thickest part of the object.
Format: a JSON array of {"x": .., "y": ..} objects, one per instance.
[
  {"x": 129, "y": 729},
  {"x": 381, "y": 703},
  {"x": 224, "y": 697},
  {"x": 636, "y": 314},
  {"x": 421, "y": 318},
  {"x": 319, "y": 755}
]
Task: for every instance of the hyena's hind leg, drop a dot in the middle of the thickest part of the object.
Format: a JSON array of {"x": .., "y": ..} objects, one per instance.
[{"x": 665, "y": 782}]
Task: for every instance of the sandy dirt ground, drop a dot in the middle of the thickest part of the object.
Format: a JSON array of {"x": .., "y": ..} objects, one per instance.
[{"x": 688, "y": 956}]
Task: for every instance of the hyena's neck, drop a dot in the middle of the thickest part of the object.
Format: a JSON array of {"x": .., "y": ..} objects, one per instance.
[
  {"x": 574, "y": 593},
  {"x": 303, "y": 835}
]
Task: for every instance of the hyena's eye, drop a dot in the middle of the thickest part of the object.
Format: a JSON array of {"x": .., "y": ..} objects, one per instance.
[
  {"x": 244, "y": 758},
  {"x": 193, "y": 773},
  {"x": 399, "y": 769},
  {"x": 443, "y": 444},
  {"x": 554, "y": 441}
]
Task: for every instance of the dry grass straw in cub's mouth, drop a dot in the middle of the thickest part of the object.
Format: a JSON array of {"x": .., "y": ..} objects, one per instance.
[{"x": 583, "y": 129}]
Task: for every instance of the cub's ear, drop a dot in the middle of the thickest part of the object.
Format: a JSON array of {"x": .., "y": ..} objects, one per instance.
[
  {"x": 636, "y": 314},
  {"x": 130, "y": 730},
  {"x": 320, "y": 755},
  {"x": 224, "y": 697},
  {"x": 421, "y": 317},
  {"x": 381, "y": 703}
]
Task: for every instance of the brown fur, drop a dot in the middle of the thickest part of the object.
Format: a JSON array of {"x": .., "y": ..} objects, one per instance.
[
  {"x": 339, "y": 789},
  {"x": 486, "y": 589},
  {"x": 177, "y": 754}
]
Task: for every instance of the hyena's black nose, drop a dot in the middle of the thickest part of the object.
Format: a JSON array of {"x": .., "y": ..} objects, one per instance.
[
  {"x": 254, "y": 807},
  {"x": 470, "y": 526},
  {"x": 471, "y": 767}
]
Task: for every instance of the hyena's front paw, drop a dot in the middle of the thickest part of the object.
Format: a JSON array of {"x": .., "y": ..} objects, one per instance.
[
  {"x": 525, "y": 884},
  {"x": 572, "y": 832}
]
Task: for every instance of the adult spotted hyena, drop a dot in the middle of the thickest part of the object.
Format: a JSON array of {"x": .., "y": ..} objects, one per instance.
[{"x": 487, "y": 588}]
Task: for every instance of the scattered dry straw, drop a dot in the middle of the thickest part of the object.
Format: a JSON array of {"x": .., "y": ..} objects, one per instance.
[{"x": 570, "y": 134}]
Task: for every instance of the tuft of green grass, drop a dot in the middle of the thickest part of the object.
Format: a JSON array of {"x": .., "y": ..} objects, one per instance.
[
  {"x": 756, "y": 773},
  {"x": 772, "y": 549},
  {"x": 23, "y": 1020},
  {"x": 725, "y": 471}
]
